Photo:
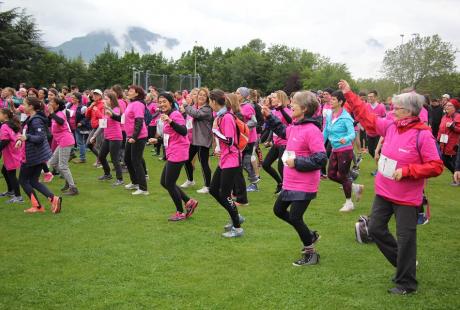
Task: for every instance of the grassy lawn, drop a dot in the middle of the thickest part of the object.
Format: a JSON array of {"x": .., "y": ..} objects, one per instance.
[{"x": 109, "y": 250}]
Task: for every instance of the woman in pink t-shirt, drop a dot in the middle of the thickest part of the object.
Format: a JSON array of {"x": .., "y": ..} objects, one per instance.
[
  {"x": 409, "y": 156},
  {"x": 229, "y": 168},
  {"x": 11, "y": 155},
  {"x": 113, "y": 138},
  {"x": 279, "y": 102},
  {"x": 136, "y": 135},
  {"x": 176, "y": 146},
  {"x": 303, "y": 158},
  {"x": 64, "y": 139}
]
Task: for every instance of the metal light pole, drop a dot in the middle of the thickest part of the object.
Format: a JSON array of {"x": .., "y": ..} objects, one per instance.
[
  {"x": 194, "y": 73},
  {"x": 400, "y": 65}
]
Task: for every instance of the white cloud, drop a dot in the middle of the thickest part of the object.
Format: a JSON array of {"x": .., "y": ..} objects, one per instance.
[{"x": 336, "y": 29}]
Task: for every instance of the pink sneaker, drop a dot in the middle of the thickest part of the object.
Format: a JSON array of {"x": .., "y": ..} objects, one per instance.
[
  {"x": 48, "y": 177},
  {"x": 190, "y": 207},
  {"x": 176, "y": 217}
]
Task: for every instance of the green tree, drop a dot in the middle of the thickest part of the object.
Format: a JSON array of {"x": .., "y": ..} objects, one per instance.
[
  {"x": 325, "y": 74},
  {"x": 420, "y": 58},
  {"x": 20, "y": 47},
  {"x": 106, "y": 70},
  {"x": 384, "y": 87}
]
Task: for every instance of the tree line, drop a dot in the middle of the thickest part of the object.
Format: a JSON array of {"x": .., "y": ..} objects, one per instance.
[{"x": 426, "y": 63}]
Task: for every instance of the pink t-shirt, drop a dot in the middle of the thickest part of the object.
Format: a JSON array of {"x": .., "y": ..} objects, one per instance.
[
  {"x": 73, "y": 123},
  {"x": 153, "y": 109},
  {"x": 135, "y": 110},
  {"x": 402, "y": 147},
  {"x": 11, "y": 155},
  {"x": 84, "y": 100},
  {"x": 248, "y": 112},
  {"x": 229, "y": 155},
  {"x": 175, "y": 144},
  {"x": 304, "y": 140},
  {"x": 62, "y": 135},
  {"x": 378, "y": 110},
  {"x": 113, "y": 130},
  {"x": 277, "y": 140},
  {"x": 423, "y": 115}
]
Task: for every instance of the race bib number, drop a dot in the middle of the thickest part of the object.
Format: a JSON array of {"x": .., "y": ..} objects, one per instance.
[
  {"x": 102, "y": 123},
  {"x": 23, "y": 117},
  {"x": 166, "y": 140},
  {"x": 444, "y": 138},
  {"x": 122, "y": 119},
  {"x": 387, "y": 166},
  {"x": 189, "y": 123},
  {"x": 287, "y": 155}
]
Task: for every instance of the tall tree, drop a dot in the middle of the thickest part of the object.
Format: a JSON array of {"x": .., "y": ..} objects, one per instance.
[
  {"x": 420, "y": 58},
  {"x": 20, "y": 47}
]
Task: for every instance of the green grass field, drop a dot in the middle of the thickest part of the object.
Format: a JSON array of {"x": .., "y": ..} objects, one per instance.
[{"x": 110, "y": 250}]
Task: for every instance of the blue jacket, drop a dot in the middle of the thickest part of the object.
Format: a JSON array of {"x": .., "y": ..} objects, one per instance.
[
  {"x": 38, "y": 150},
  {"x": 342, "y": 127}
]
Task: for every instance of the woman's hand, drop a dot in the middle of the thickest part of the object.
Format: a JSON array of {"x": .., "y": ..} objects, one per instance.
[
  {"x": 18, "y": 144},
  {"x": 342, "y": 141},
  {"x": 290, "y": 162},
  {"x": 50, "y": 109},
  {"x": 397, "y": 175},
  {"x": 152, "y": 141},
  {"x": 266, "y": 111},
  {"x": 131, "y": 140},
  {"x": 182, "y": 109},
  {"x": 165, "y": 118},
  {"x": 344, "y": 86},
  {"x": 22, "y": 138},
  {"x": 108, "y": 112},
  {"x": 92, "y": 140}
]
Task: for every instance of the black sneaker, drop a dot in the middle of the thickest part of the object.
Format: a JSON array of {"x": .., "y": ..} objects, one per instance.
[
  {"x": 307, "y": 259},
  {"x": 105, "y": 177},
  {"x": 400, "y": 291},
  {"x": 7, "y": 194},
  {"x": 65, "y": 187}
]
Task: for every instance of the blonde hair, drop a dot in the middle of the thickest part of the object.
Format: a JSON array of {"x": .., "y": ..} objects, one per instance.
[
  {"x": 233, "y": 102},
  {"x": 282, "y": 97}
]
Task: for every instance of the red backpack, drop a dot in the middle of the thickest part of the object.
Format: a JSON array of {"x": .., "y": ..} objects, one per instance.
[{"x": 242, "y": 133}]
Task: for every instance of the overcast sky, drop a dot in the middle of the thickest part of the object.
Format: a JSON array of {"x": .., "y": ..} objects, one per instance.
[{"x": 353, "y": 32}]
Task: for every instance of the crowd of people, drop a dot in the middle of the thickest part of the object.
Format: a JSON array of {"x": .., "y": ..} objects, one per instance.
[{"x": 311, "y": 135}]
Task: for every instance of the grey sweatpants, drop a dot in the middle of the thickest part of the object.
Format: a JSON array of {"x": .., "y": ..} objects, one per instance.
[{"x": 60, "y": 162}]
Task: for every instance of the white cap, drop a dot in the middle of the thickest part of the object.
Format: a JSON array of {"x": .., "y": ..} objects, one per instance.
[
  {"x": 446, "y": 96},
  {"x": 97, "y": 91}
]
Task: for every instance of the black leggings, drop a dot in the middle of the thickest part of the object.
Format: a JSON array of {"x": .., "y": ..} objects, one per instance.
[
  {"x": 29, "y": 180},
  {"x": 275, "y": 152},
  {"x": 372, "y": 144},
  {"x": 294, "y": 217},
  {"x": 135, "y": 162},
  {"x": 112, "y": 146},
  {"x": 449, "y": 162},
  {"x": 11, "y": 181},
  {"x": 221, "y": 189},
  {"x": 169, "y": 176},
  {"x": 203, "y": 157}
]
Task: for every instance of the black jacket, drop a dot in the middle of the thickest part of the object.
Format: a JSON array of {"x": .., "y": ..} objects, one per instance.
[{"x": 38, "y": 150}]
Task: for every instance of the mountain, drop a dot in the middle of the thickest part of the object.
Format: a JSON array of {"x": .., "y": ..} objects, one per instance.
[{"x": 137, "y": 38}]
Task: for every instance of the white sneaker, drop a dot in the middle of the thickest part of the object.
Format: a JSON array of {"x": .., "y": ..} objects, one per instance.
[
  {"x": 358, "y": 191},
  {"x": 347, "y": 207},
  {"x": 187, "y": 184},
  {"x": 131, "y": 186},
  {"x": 204, "y": 190},
  {"x": 140, "y": 192}
]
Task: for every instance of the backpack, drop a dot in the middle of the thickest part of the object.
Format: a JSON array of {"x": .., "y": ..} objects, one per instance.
[
  {"x": 362, "y": 230},
  {"x": 242, "y": 133}
]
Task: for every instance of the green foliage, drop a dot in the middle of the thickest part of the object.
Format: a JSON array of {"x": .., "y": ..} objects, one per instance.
[
  {"x": 20, "y": 48},
  {"x": 111, "y": 250},
  {"x": 419, "y": 59},
  {"x": 385, "y": 87}
]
